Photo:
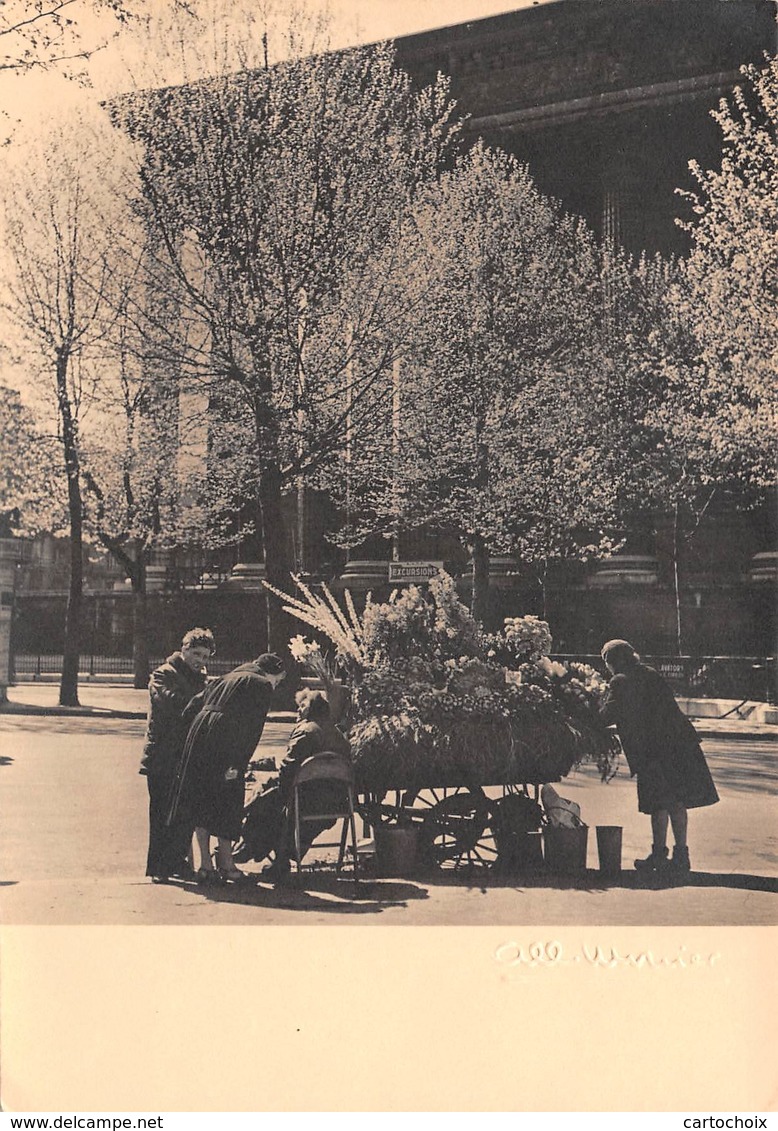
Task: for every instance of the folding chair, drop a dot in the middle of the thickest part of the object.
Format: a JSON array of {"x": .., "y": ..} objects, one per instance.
[{"x": 337, "y": 769}]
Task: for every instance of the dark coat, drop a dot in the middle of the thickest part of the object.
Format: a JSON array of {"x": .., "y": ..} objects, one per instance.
[
  {"x": 266, "y": 824},
  {"x": 209, "y": 781},
  {"x": 308, "y": 738},
  {"x": 660, "y": 744},
  {"x": 171, "y": 688}
]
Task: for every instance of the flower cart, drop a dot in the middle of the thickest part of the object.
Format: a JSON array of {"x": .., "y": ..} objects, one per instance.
[
  {"x": 452, "y": 730},
  {"x": 478, "y": 776}
]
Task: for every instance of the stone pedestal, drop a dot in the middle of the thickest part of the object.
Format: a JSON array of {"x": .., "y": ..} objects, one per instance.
[
  {"x": 156, "y": 576},
  {"x": 504, "y": 572},
  {"x": 157, "y": 571},
  {"x": 248, "y": 576},
  {"x": 10, "y": 553},
  {"x": 625, "y": 569},
  {"x": 361, "y": 576},
  {"x": 764, "y": 568}
]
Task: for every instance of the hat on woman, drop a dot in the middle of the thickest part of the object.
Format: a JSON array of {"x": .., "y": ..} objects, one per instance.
[
  {"x": 269, "y": 663},
  {"x": 619, "y": 654}
]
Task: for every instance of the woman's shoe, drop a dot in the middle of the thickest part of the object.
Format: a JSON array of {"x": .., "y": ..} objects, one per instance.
[
  {"x": 233, "y": 875},
  {"x": 655, "y": 861},
  {"x": 680, "y": 863},
  {"x": 208, "y": 876},
  {"x": 278, "y": 872}
]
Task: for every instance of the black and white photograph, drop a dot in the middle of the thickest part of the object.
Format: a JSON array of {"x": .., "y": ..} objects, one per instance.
[{"x": 388, "y": 538}]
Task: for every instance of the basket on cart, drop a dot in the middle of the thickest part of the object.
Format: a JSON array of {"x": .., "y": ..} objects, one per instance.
[{"x": 390, "y": 755}]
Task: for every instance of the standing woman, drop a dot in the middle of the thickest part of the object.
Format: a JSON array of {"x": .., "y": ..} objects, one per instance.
[
  {"x": 173, "y": 691},
  {"x": 661, "y": 747},
  {"x": 210, "y": 778}
]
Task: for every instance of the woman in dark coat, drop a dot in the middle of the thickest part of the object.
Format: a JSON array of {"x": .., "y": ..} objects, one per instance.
[
  {"x": 172, "y": 687},
  {"x": 210, "y": 777},
  {"x": 661, "y": 747}
]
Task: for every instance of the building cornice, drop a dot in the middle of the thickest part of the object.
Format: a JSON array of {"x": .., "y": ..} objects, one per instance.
[{"x": 634, "y": 98}]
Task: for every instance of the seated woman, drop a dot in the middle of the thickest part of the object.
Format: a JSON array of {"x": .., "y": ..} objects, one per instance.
[{"x": 267, "y": 825}]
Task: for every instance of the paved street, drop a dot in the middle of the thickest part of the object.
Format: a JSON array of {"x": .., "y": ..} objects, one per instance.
[{"x": 72, "y": 849}]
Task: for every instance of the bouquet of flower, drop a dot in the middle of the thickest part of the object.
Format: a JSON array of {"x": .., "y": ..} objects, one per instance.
[
  {"x": 587, "y": 687},
  {"x": 528, "y": 637},
  {"x": 308, "y": 654}
]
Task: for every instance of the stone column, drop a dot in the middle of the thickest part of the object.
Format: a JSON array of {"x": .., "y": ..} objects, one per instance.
[
  {"x": 248, "y": 576},
  {"x": 611, "y": 214},
  {"x": 156, "y": 571},
  {"x": 611, "y": 237},
  {"x": 9, "y": 556}
]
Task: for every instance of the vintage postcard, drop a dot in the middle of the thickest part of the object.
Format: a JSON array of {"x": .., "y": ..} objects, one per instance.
[{"x": 388, "y": 556}]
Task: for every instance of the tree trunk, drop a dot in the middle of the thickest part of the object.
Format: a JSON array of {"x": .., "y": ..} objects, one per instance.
[
  {"x": 278, "y": 564},
  {"x": 277, "y": 560},
  {"x": 676, "y": 584},
  {"x": 68, "y": 688},
  {"x": 276, "y": 542},
  {"x": 71, "y": 652},
  {"x": 140, "y": 637},
  {"x": 480, "y": 602}
]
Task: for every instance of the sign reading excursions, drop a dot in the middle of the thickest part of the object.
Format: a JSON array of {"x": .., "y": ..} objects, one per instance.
[{"x": 413, "y": 572}]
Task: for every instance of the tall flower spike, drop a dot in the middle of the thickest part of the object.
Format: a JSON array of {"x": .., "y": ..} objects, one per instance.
[
  {"x": 326, "y": 618},
  {"x": 312, "y": 598},
  {"x": 285, "y": 596},
  {"x": 352, "y": 612},
  {"x": 336, "y": 609}
]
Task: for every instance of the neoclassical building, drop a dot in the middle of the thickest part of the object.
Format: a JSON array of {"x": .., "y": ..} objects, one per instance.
[{"x": 605, "y": 100}]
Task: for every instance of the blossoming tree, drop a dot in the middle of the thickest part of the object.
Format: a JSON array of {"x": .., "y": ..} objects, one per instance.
[
  {"x": 696, "y": 342},
  {"x": 492, "y": 431},
  {"x": 64, "y": 285},
  {"x": 278, "y": 197}
]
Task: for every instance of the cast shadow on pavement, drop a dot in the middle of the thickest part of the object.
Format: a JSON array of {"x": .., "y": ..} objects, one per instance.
[
  {"x": 311, "y": 892},
  {"x": 46, "y": 723},
  {"x": 594, "y": 882},
  {"x": 748, "y": 770}
]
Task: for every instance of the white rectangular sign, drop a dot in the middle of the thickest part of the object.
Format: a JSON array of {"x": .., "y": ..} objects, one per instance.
[{"x": 413, "y": 572}]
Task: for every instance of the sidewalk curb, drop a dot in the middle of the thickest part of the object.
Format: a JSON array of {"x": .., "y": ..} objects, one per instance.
[
  {"x": 738, "y": 735},
  {"x": 706, "y": 726},
  {"x": 58, "y": 711},
  {"x": 69, "y": 712}
]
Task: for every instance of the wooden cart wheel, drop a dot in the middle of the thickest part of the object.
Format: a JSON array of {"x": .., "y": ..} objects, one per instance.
[{"x": 454, "y": 829}]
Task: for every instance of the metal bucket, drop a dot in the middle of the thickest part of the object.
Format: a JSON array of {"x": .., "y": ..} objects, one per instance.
[
  {"x": 566, "y": 848},
  {"x": 609, "y": 849},
  {"x": 396, "y": 849},
  {"x": 518, "y": 851}
]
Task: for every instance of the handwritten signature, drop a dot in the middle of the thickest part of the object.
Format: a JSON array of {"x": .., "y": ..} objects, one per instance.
[{"x": 551, "y": 953}]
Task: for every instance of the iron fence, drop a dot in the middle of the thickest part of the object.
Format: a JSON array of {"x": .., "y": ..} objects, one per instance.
[
  {"x": 704, "y": 677},
  {"x": 708, "y": 677},
  {"x": 29, "y": 665}
]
